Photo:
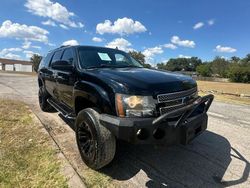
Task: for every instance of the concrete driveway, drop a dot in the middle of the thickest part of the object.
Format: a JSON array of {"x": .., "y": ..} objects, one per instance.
[{"x": 218, "y": 158}]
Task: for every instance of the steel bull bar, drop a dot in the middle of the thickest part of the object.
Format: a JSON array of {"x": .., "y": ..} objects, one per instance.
[
  {"x": 186, "y": 111},
  {"x": 189, "y": 122}
]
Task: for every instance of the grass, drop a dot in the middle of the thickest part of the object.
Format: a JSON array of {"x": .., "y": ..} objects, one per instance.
[
  {"x": 97, "y": 179},
  {"x": 227, "y": 92},
  {"x": 26, "y": 156}
]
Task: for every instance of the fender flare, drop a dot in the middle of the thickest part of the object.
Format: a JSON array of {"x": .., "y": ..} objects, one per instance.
[{"x": 95, "y": 94}]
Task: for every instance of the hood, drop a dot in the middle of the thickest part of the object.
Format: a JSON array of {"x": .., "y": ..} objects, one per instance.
[{"x": 143, "y": 81}]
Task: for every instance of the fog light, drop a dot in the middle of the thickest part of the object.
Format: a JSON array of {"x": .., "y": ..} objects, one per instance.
[{"x": 142, "y": 134}]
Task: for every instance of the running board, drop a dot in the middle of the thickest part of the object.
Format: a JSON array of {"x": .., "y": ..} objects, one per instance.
[{"x": 58, "y": 108}]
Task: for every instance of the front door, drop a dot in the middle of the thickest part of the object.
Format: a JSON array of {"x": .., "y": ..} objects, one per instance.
[{"x": 65, "y": 80}]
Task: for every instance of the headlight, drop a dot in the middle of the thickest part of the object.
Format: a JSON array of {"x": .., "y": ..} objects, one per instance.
[{"x": 134, "y": 106}]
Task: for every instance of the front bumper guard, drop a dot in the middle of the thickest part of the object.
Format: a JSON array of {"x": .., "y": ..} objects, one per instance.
[
  {"x": 189, "y": 124},
  {"x": 186, "y": 111}
]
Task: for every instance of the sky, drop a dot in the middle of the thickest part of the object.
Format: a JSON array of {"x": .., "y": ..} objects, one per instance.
[{"x": 160, "y": 29}]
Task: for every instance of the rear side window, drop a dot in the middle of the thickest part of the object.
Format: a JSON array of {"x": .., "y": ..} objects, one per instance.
[
  {"x": 68, "y": 55},
  {"x": 46, "y": 60},
  {"x": 57, "y": 56}
]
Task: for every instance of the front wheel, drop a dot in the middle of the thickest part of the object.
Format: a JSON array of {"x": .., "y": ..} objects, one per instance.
[{"x": 96, "y": 143}]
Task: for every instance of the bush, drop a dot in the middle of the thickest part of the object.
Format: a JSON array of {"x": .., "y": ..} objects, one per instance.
[
  {"x": 204, "y": 70},
  {"x": 239, "y": 74}
]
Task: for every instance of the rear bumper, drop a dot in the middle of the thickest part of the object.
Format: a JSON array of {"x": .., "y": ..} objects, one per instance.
[{"x": 162, "y": 130}]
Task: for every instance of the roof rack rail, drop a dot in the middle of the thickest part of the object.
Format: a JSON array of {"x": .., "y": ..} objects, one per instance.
[{"x": 64, "y": 46}]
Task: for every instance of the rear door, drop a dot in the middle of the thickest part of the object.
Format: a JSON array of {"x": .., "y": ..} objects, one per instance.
[
  {"x": 45, "y": 72},
  {"x": 66, "y": 78},
  {"x": 52, "y": 79}
]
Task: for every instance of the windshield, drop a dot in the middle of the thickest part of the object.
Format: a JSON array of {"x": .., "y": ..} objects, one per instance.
[{"x": 104, "y": 57}]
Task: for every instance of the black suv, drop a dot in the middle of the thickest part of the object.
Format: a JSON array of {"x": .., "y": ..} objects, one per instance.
[{"x": 110, "y": 96}]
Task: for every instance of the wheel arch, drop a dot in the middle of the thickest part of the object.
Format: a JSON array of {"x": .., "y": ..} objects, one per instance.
[{"x": 89, "y": 95}]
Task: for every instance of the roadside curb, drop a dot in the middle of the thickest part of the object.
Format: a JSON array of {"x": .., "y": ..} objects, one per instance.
[{"x": 74, "y": 180}]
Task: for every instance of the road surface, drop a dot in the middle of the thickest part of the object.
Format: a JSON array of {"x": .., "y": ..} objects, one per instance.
[{"x": 218, "y": 158}]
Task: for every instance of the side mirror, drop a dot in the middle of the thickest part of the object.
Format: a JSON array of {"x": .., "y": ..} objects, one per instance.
[{"x": 62, "y": 65}]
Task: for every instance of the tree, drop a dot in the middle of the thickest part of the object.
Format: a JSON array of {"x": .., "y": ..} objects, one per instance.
[
  {"x": 161, "y": 65},
  {"x": 238, "y": 73},
  {"x": 234, "y": 59},
  {"x": 204, "y": 69},
  {"x": 219, "y": 66},
  {"x": 35, "y": 60},
  {"x": 245, "y": 61},
  {"x": 182, "y": 64},
  {"x": 138, "y": 56}
]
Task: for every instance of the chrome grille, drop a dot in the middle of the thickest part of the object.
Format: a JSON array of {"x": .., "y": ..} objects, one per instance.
[
  {"x": 172, "y": 101},
  {"x": 176, "y": 95}
]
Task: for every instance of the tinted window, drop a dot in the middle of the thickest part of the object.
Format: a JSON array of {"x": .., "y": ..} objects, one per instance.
[
  {"x": 42, "y": 63},
  {"x": 57, "y": 56},
  {"x": 68, "y": 55},
  {"x": 45, "y": 60}
]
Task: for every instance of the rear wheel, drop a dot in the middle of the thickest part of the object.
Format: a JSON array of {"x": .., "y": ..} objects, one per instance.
[
  {"x": 43, "y": 96},
  {"x": 96, "y": 144}
]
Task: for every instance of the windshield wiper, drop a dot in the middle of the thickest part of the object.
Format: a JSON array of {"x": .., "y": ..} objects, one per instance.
[
  {"x": 112, "y": 66},
  {"x": 100, "y": 66},
  {"x": 125, "y": 66}
]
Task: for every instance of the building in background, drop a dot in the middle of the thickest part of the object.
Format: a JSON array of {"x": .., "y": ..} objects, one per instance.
[{"x": 15, "y": 65}]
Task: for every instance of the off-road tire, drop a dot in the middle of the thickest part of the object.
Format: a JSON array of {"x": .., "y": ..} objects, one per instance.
[
  {"x": 42, "y": 97},
  {"x": 96, "y": 144}
]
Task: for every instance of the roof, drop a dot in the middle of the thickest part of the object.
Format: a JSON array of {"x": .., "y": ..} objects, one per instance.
[
  {"x": 13, "y": 61},
  {"x": 83, "y": 46}
]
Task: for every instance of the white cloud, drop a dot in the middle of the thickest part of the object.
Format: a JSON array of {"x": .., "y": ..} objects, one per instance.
[
  {"x": 63, "y": 26},
  {"x": 151, "y": 52},
  {"x": 51, "y": 44},
  {"x": 185, "y": 43},
  {"x": 5, "y": 51},
  {"x": 70, "y": 43},
  {"x": 184, "y": 56},
  {"x": 97, "y": 39},
  {"x": 121, "y": 44},
  {"x": 26, "y": 44},
  {"x": 53, "y": 10},
  {"x": 198, "y": 25},
  {"x": 12, "y": 56},
  {"x": 170, "y": 46},
  {"x": 225, "y": 49},
  {"x": 8, "y": 53},
  {"x": 210, "y": 22},
  {"x": 122, "y": 26},
  {"x": 18, "y": 31},
  {"x": 37, "y": 47},
  {"x": 49, "y": 22},
  {"x": 29, "y": 54}
]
